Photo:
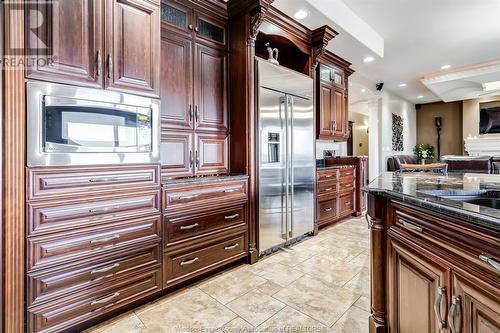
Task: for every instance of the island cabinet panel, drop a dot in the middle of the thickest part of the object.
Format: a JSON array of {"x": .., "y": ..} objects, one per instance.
[
  {"x": 177, "y": 85},
  {"x": 477, "y": 308},
  {"x": 70, "y": 32},
  {"x": 133, "y": 46},
  {"x": 442, "y": 268},
  {"x": 418, "y": 286}
]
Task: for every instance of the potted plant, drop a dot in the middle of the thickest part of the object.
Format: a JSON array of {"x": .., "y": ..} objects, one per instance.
[{"x": 424, "y": 152}]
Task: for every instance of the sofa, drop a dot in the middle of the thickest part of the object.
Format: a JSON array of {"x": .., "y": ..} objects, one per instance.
[{"x": 469, "y": 164}]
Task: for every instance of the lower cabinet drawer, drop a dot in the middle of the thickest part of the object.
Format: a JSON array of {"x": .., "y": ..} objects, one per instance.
[
  {"x": 346, "y": 186},
  {"x": 72, "y": 246},
  {"x": 50, "y": 284},
  {"x": 346, "y": 204},
  {"x": 179, "y": 228},
  {"x": 70, "y": 311},
  {"x": 327, "y": 210},
  {"x": 184, "y": 264}
]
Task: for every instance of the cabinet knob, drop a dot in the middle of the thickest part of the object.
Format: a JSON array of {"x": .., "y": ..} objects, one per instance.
[
  {"x": 190, "y": 27},
  {"x": 196, "y": 29}
]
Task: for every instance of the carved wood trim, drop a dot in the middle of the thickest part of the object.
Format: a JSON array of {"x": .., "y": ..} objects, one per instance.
[
  {"x": 320, "y": 39},
  {"x": 378, "y": 234},
  {"x": 14, "y": 122}
]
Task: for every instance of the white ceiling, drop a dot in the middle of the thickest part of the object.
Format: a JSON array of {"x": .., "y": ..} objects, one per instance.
[{"x": 419, "y": 36}]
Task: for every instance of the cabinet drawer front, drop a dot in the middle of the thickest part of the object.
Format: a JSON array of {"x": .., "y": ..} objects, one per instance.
[
  {"x": 194, "y": 196},
  {"x": 346, "y": 186},
  {"x": 327, "y": 187},
  {"x": 179, "y": 228},
  {"x": 75, "y": 245},
  {"x": 182, "y": 265},
  {"x": 43, "y": 182},
  {"x": 327, "y": 209},
  {"x": 58, "y": 316},
  {"x": 46, "y": 217},
  {"x": 327, "y": 175},
  {"x": 346, "y": 204},
  {"x": 347, "y": 172},
  {"x": 45, "y": 286}
]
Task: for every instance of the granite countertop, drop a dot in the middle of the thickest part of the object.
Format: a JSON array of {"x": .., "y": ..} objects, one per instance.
[
  {"x": 201, "y": 180},
  {"x": 425, "y": 190}
]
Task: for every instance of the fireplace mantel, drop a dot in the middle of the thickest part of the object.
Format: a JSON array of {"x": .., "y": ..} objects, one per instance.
[{"x": 488, "y": 145}]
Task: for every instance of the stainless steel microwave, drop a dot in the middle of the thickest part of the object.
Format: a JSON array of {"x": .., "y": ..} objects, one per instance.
[{"x": 83, "y": 126}]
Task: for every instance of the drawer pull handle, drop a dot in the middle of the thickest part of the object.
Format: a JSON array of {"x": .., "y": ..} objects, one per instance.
[
  {"x": 437, "y": 307},
  {"x": 347, "y": 203},
  {"x": 105, "y": 299},
  {"x": 189, "y": 261},
  {"x": 455, "y": 305},
  {"x": 105, "y": 269},
  {"x": 328, "y": 209},
  {"x": 410, "y": 226},
  {"x": 104, "y": 240},
  {"x": 187, "y": 197},
  {"x": 103, "y": 210},
  {"x": 328, "y": 189},
  {"x": 489, "y": 260},
  {"x": 328, "y": 176},
  {"x": 368, "y": 221},
  {"x": 230, "y": 190},
  {"x": 230, "y": 217},
  {"x": 230, "y": 247},
  {"x": 102, "y": 180},
  {"x": 188, "y": 227}
]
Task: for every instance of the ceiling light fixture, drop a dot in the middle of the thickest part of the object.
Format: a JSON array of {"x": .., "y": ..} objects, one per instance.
[
  {"x": 402, "y": 85},
  {"x": 363, "y": 90},
  {"x": 368, "y": 59},
  {"x": 420, "y": 96},
  {"x": 445, "y": 66},
  {"x": 300, "y": 14}
]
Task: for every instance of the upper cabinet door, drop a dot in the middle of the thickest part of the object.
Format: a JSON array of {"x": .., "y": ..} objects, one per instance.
[
  {"x": 133, "y": 46},
  {"x": 177, "y": 17},
  {"x": 340, "y": 122},
  {"x": 70, "y": 34},
  {"x": 326, "y": 112},
  {"x": 209, "y": 30},
  {"x": 177, "y": 109},
  {"x": 210, "y": 89}
]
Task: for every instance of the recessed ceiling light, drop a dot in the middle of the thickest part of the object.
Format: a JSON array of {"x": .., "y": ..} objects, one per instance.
[
  {"x": 300, "y": 14},
  {"x": 368, "y": 59},
  {"x": 402, "y": 85},
  {"x": 363, "y": 90},
  {"x": 445, "y": 66},
  {"x": 420, "y": 96}
]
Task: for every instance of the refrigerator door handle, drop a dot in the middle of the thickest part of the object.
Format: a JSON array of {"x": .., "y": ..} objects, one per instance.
[
  {"x": 284, "y": 191},
  {"x": 290, "y": 157}
]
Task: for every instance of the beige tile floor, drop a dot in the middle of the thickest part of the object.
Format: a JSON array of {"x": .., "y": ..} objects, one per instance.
[{"x": 318, "y": 285}]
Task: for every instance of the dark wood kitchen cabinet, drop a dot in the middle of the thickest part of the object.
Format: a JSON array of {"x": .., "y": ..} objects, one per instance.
[
  {"x": 111, "y": 44},
  {"x": 332, "y": 104},
  {"x": 133, "y": 46},
  {"x": 71, "y": 32},
  {"x": 442, "y": 268},
  {"x": 194, "y": 92}
]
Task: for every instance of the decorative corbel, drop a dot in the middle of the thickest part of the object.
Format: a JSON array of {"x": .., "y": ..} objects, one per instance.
[{"x": 319, "y": 41}]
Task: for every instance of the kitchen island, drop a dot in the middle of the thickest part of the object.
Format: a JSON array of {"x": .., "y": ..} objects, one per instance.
[{"x": 435, "y": 253}]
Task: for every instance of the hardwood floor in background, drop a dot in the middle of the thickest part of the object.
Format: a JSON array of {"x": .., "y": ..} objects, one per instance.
[{"x": 318, "y": 285}]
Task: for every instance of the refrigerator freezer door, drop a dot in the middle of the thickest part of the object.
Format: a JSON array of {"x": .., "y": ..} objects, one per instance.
[
  {"x": 272, "y": 169},
  {"x": 302, "y": 163}
]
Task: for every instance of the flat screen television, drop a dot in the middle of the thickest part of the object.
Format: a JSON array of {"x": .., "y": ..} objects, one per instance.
[{"x": 489, "y": 119}]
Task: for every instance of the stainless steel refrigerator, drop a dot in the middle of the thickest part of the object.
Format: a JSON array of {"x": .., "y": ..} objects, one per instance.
[{"x": 285, "y": 156}]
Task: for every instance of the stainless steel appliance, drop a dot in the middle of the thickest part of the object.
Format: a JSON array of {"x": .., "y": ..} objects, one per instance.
[
  {"x": 286, "y": 155},
  {"x": 82, "y": 126}
]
